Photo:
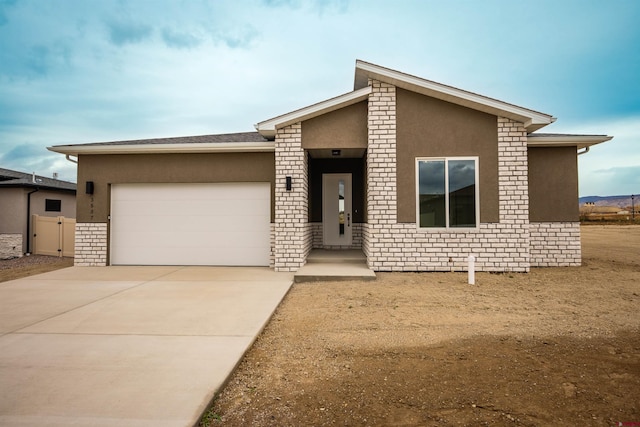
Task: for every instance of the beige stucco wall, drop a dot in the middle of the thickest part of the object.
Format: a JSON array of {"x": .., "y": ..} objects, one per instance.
[
  {"x": 343, "y": 128},
  {"x": 104, "y": 170},
  {"x": 13, "y": 209},
  {"x": 428, "y": 127},
  {"x": 553, "y": 184}
]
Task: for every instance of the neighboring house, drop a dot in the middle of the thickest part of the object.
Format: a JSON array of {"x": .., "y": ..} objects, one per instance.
[
  {"x": 23, "y": 195},
  {"x": 417, "y": 174}
]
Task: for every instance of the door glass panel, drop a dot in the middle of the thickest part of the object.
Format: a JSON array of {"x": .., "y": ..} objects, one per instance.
[{"x": 341, "y": 206}]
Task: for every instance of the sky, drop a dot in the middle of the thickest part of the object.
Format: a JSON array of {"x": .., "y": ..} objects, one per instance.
[{"x": 80, "y": 71}]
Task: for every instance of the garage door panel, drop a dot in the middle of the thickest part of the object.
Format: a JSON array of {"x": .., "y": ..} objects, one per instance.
[{"x": 191, "y": 224}]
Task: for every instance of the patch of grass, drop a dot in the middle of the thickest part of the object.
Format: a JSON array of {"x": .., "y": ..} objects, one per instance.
[{"x": 209, "y": 418}]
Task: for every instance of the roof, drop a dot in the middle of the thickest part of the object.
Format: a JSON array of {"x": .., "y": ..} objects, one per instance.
[
  {"x": 565, "y": 140},
  {"x": 262, "y": 140},
  {"x": 268, "y": 127},
  {"x": 533, "y": 120},
  {"x": 243, "y": 141},
  {"x": 11, "y": 178}
]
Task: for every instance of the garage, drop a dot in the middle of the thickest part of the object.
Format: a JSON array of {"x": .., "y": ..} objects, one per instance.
[{"x": 225, "y": 224}]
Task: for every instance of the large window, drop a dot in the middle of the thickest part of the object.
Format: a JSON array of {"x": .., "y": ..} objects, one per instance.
[{"x": 447, "y": 192}]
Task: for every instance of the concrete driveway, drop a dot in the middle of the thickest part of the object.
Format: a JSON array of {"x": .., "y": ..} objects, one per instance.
[{"x": 127, "y": 346}]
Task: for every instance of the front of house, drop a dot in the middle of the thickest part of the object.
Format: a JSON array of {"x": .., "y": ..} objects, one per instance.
[{"x": 416, "y": 174}]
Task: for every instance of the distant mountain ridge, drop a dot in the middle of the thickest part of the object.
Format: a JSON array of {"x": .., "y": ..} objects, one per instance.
[{"x": 620, "y": 201}]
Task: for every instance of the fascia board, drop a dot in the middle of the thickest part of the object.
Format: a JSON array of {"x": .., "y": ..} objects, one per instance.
[
  {"x": 580, "y": 141},
  {"x": 533, "y": 120},
  {"x": 268, "y": 128},
  {"x": 230, "y": 147}
]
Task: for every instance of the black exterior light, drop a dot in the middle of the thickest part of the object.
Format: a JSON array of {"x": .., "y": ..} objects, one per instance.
[
  {"x": 288, "y": 183},
  {"x": 89, "y": 187}
]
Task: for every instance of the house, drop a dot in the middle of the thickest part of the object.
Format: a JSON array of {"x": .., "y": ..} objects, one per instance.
[
  {"x": 416, "y": 174},
  {"x": 23, "y": 195}
]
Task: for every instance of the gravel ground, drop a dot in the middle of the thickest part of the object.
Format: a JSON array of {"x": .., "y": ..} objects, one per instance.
[
  {"x": 16, "y": 268},
  {"x": 557, "y": 346}
]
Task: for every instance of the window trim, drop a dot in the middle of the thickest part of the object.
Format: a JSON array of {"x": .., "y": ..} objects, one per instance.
[{"x": 448, "y": 228}]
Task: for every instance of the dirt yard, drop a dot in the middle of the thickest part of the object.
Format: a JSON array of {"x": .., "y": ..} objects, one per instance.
[
  {"x": 11, "y": 269},
  {"x": 558, "y": 346}
]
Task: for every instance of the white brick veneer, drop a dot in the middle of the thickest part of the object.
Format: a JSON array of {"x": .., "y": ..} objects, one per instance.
[
  {"x": 293, "y": 234},
  {"x": 318, "y": 237},
  {"x": 10, "y": 245},
  {"x": 393, "y": 246},
  {"x": 555, "y": 244},
  {"x": 91, "y": 244}
]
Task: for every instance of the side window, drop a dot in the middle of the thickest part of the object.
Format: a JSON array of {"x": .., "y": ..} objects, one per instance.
[
  {"x": 447, "y": 193},
  {"x": 52, "y": 205}
]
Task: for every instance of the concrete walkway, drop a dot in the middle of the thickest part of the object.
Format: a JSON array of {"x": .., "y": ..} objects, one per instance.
[{"x": 127, "y": 346}]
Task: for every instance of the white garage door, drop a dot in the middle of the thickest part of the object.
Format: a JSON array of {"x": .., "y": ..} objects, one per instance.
[{"x": 190, "y": 224}]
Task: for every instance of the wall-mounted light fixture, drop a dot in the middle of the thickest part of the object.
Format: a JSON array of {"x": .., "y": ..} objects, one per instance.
[
  {"x": 89, "y": 187},
  {"x": 288, "y": 183}
]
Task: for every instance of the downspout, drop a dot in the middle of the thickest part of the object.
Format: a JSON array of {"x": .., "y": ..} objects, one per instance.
[
  {"x": 29, "y": 220},
  {"x": 70, "y": 159},
  {"x": 586, "y": 150}
]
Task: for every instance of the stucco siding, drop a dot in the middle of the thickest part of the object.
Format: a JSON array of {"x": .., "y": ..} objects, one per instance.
[
  {"x": 104, "y": 170},
  {"x": 553, "y": 184},
  {"x": 428, "y": 127},
  {"x": 343, "y": 128},
  {"x": 13, "y": 210}
]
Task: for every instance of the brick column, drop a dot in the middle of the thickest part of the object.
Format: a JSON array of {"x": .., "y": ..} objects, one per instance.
[
  {"x": 91, "y": 244},
  {"x": 513, "y": 185},
  {"x": 381, "y": 171},
  {"x": 293, "y": 234}
]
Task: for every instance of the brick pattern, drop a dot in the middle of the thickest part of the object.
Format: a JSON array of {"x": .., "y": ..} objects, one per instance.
[
  {"x": 10, "y": 245},
  {"x": 293, "y": 233},
  {"x": 555, "y": 244},
  {"x": 91, "y": 244},
  {"x": 381, "y": 197},
  {"x": 318, "y": 237},
  {"x": 393, "y": 246}
]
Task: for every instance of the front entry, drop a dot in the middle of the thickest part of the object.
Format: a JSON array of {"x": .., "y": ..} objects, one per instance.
[{"x": 336, "y": 209}]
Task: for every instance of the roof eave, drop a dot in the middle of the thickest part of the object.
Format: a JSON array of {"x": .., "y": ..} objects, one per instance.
[
  {"x": 217, "y": 147},
  {"x": 579, "y": 141},
  {"x": 268, "y": 128},
  {"x": 532, "y": 120}
]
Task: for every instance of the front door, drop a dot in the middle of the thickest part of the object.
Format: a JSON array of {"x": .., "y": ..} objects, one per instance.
[{"x": 336, "y": 209}]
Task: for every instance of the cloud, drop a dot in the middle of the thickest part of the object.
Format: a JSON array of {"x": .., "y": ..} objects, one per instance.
[
  {"x": 4, "y": 5},
  {"x": 239, "y": 38},
  {"x": 21, "y": 152},
  {"x": 180, "y": 39},
  {"x": 319, "y": 6},
  {"x": 612, "y": 181},
  {"x": 122, "y": 33}
]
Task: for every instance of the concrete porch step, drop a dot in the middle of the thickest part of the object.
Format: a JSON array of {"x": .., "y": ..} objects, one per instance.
[{"x": 328, "y": 265}]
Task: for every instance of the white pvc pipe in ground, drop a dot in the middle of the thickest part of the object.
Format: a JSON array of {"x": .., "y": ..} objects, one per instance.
[{"x": 472, "y": 269}]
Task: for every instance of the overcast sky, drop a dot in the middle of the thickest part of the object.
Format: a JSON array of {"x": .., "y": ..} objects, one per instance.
[{"x": 77, "y": 71}]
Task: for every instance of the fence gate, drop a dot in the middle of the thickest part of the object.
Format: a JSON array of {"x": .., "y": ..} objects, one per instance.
[{"x": 53, "y": 236}]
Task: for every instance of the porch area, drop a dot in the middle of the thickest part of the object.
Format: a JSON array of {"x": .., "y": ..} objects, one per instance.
[{"x": 332, "y": 265}]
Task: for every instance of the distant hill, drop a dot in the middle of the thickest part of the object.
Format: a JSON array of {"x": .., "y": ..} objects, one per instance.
[{"x": 619, "y": 201}]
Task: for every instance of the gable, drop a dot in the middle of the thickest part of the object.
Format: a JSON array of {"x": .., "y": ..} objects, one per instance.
[{"x": 343, "y": 128}]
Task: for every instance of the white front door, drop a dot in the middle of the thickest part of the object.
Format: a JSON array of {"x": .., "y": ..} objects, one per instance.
[{"x": 336, "y": 209}]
